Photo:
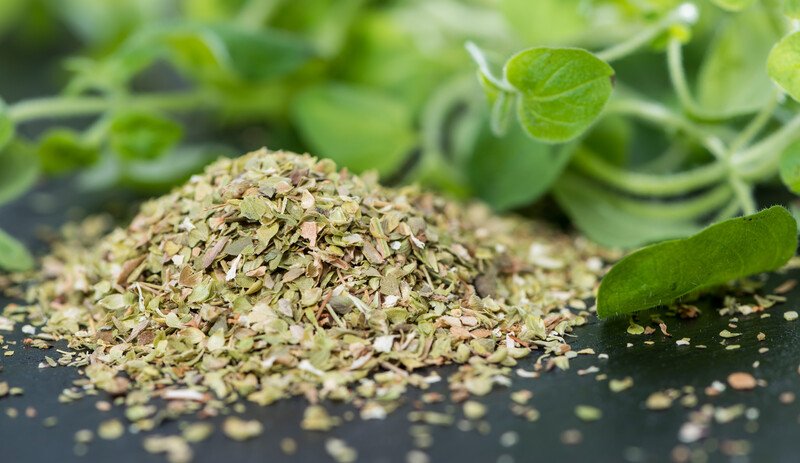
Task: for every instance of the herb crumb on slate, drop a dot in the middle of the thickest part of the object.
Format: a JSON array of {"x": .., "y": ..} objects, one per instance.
[{"x": 742, "y": 381}]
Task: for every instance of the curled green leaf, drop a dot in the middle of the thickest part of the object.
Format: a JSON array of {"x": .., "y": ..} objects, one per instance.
[
  {"x": 14, "y": 256},
  {"x": 562, "y": 91},
  {"x": 782, "y": 64},
  {"x": 664, "y": 272}
]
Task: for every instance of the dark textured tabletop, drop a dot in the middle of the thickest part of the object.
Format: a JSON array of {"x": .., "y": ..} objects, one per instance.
[{"x": 768, "y": 430}]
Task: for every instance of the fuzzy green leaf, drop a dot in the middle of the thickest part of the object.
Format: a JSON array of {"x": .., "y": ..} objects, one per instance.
[
  {"x": 562, "y": 91},
  {"x": 783, "y": 63},
  {"x": 355, "y": 126},
  {"x": 14, "y": 256},
  {"x": 664, "y": 272}
]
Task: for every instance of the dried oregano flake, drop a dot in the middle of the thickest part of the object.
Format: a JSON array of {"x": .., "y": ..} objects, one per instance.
[{"x": 275, "y": 274}]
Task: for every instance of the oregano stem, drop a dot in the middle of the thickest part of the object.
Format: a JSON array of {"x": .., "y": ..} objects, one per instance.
[
  {"x": 756, "y": 125},
  {"x": 57, "y": 107},
  {"x": 649, "y": 184},
  {"x": 661, "y": 116},
  {"x": 686, "y": 13},
  {"x": 729, "y": 211},
  {"x": 683, "y": 209},
  {"x": 483, "y": 64},
  {"x": 71, "y": 106},
  {"x": 433, "y": 163},
  {"x": 761, "y": 160},
  {"x": 677, "y": 76},
  {"x": 744, "y": 194},
  {"x": 644, "y": 37}
]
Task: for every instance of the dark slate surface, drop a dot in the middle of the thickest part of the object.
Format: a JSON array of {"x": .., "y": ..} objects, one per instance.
[{"x": 626, "y": 432}]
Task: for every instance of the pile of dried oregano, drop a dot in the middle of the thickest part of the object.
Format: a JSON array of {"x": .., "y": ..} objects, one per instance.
[{"x": 275, "y": 274}]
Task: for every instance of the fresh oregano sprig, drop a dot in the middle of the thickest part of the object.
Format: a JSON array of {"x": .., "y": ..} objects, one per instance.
[{"x": 716, "y": 190}]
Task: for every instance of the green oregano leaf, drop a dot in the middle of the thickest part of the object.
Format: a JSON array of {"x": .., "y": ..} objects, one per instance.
[
  {"x": 216, "y": 52},
  {"x": 500, "y": 101},
  {"x": 173, "y": 168},
  {"x": 790, "y": 167},
  {"x": 356, "y": 126},
  {"x": 512, "y": 170},
  {"x": 545, "y": 21},
  {"x": 19, "y": 170},
  {"x": 14, "y": 256},
  {"x": 501, "y": 113},
  {"x": 260, "y": 54},
  {"x": 62, "y": 150},
  {"x": 138, "y": 135},
  {"x": 791, "y": 8},
  {"x": 561, "y": 91},
  {"x": 491, "y": 84},
  {"x": 662, "y": 273},
  {"x": 733, "y": 79},
  {"x": 6, "y": 125},
  {"x": 734, "y": 5},
  {"x": 783, "y": 63}
]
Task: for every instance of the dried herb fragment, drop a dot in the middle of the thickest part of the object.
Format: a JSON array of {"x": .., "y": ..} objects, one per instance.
[
  {"x": 340, "y": 451},
  {"x": 316, "y": 418},
  {"x": 619, "y": 385},
  {"x": 111, "y": 429},
  {"x": 658, "y": 401},
  {"x": 742, "y": 381},
  {"x": 474, "y": 410},
  {"x": 588, "y": 413},
  {"x": 241, "y": 430},
  {"x": 197, "y": 432},
  {"x": 175, "y": 447}
]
